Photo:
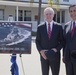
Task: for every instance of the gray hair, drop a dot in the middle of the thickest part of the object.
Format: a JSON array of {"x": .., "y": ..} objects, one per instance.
[{"x": 49, "y": 8}]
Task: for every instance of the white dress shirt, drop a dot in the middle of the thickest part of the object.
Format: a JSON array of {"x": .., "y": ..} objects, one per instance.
[{"x": 51, "y": 25}]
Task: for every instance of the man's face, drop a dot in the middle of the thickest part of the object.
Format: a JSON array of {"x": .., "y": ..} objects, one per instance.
[
  {"x": 72, "y": 12},
  {"x": 48, "y": 15}
]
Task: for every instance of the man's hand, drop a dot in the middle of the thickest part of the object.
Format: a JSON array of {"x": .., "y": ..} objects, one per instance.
[{"x": 42, "y": 52}]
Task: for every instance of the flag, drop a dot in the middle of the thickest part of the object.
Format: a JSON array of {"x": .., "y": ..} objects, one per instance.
[
  {"x": 54, "y": 3},
  {"x": 50, "y": 3},
  {"x": 57, "y": 5},
  {"x": 14, "y": 66}
]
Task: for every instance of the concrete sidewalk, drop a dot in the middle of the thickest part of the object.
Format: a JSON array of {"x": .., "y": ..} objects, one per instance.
[{"x": 31, "y": 63}]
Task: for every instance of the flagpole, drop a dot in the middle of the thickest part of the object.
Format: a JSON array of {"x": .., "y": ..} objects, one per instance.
[
  {"x": 39, "y": 11},
  {"x": 22, "y": 64}
]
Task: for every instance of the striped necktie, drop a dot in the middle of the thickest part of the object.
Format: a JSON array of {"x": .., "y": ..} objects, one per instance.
[
  {"x": 49, "y": 31},
  {"x": 72, "y": 30}
]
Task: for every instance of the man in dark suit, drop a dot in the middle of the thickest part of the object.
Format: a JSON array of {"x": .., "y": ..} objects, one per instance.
[
  {"x": 69, "y": 54},
  {"x": 49, "y": 41}
]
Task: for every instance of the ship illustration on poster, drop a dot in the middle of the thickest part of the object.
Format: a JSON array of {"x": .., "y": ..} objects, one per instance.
[{"x": 15, "y": 36}]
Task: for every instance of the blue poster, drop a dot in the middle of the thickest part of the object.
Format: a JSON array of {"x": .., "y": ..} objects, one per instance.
[{"x": 15, "y": 37}]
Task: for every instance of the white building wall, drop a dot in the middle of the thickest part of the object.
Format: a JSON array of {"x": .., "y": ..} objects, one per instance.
[
  {"x": 67, "y": 16},
  {"x": 34, "y": 12},
  {"x": 9, "y": 10}
]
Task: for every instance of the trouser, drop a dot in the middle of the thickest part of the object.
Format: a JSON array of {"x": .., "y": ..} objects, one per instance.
[
  {"x": 54, "y": 65},
  {"x": 70, "y": 68}
]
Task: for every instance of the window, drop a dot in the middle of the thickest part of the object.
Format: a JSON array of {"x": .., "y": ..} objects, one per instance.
[
  {"x": 20, "y": 15},
  {"x": 27, "y": 15},
  {"x": 59, "y": 16},
  {"x": 24, "y": 15},
  {"x": 66, "y": 0},
  {"x": 1, "y": 14}
]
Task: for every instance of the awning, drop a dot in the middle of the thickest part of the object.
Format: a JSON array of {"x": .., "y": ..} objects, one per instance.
[
  {"x": 14, "y": 3},
  {"x": 26, "y": 4}
]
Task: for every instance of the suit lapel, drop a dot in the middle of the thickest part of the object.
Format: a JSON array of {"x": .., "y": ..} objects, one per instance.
[
  {"x": 68, "y": 30},
  {"x": 53, "y": 30},
  {"x": 45, "y": 30}
]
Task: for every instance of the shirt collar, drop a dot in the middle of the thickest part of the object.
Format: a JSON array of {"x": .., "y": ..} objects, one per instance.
[
  {"x": 73, "y": 21},
  {"x": 51, "y": 23}
]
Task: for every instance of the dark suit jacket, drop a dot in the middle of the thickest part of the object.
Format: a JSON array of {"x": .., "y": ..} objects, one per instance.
[
  {"x": 69, "y": 44},
  {"x": 42, "y": 41}
]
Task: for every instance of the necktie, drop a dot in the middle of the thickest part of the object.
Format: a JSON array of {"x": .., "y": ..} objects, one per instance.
[
  {"x": 49, "y": 31},
  {"x": 73, "y": 28}
]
